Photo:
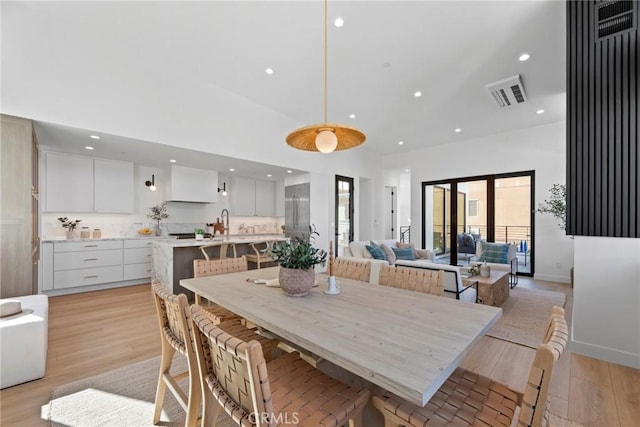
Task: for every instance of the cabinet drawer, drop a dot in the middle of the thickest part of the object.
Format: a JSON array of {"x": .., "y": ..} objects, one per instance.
[
  {"x": 138, "y": 243},
  {"x": 86, "y": 276},
  {"x": 96, "y": 245},
  {"x": 86, "y": 259},
  {"x": 137, "y": 271},
  {"x": 137, "y": 255}
]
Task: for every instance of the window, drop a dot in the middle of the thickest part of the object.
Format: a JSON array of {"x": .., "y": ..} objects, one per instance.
[{"x": 473, "y": 207}]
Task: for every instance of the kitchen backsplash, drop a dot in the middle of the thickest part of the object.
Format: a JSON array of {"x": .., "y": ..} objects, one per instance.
[{"x": 125, "y": 226}]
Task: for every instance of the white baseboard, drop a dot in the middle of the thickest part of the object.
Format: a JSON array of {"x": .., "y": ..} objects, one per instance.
[
  {"x": 604, "y": 353},
  {"x": 102, "y": 286},
  {"x": 552, "y": 278}
]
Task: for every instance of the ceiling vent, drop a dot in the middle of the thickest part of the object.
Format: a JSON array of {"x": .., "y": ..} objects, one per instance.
[{"x": 508, "y": 92}]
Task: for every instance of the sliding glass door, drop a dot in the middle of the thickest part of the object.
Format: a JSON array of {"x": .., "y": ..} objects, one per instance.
[
  {"x": 495, "y": 208},
  {"x": 343, "y": 214}
]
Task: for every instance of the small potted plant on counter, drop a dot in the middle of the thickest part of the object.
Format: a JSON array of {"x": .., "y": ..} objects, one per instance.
[
  {"x": 199, "y": 233},
  {"x": 158, "y": 213},
  {"x": 297, "y": 259},
  {"x": 70, "y": 225}
]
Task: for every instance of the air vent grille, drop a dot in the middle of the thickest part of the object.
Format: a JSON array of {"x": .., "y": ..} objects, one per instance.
[
  {"x": 508, "y": 92},
  {"x": 614, "y": 17}
]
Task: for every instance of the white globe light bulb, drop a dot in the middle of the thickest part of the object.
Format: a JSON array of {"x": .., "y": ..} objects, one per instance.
[
  {"x": 326, "y": 141},
  {"x": 152, "y": 188}
]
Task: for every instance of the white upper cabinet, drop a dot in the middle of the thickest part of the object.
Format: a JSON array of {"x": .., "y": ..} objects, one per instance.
[
  {"x": 113, "y": 186},
  {"x": 192, "y": 185},
  {"x": 83, "y": 184},
  {"x": 265, "y": 198},
  {"x": 279, "y": 198},
  {"x": 68, "y": 183},
  {"x": 242, "y": 196}
]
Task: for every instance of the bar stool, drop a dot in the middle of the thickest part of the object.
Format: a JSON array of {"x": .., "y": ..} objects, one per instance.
[
  {"x": 224, "y": 250},
  {"x": 261, "y": 253}
]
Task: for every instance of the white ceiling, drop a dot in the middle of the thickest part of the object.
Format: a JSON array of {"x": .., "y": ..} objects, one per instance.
[{"x": 387, "y": 50}]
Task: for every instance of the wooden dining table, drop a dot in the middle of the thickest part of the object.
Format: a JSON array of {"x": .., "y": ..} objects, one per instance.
[{"x": 402, "y": 341}]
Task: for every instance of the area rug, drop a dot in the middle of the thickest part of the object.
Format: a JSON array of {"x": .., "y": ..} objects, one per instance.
[
  {"x": 525, "y": 316},
  {"x": 120, "y": 398}
]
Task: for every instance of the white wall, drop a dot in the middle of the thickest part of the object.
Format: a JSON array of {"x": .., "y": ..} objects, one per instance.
[
  {"x": 606, "y": 299},
  {"x": 540, "y": 148}
]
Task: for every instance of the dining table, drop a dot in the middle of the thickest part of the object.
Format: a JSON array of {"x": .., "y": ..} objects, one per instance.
[{"x": 405, "y": 342}]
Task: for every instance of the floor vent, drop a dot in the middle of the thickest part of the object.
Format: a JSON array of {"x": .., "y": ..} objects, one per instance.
[
  {"x": 614, "y": 17},
  {"x": 508, "y": 92}
]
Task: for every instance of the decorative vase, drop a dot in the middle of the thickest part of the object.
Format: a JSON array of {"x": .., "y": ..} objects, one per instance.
[
  {"x": 199, "y": 236},
  {"x": 71, "y": 234},
  {"x": 295, "y": 282}
]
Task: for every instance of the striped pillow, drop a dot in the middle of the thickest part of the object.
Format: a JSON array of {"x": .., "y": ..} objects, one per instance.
[
  {"x": 494, "y": 252},
  {"x": 376, "y": 252},
  {"x": 404, "y": 253}
]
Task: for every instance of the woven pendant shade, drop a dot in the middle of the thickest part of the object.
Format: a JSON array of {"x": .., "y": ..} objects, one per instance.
[{"x": 304, "y": 138}]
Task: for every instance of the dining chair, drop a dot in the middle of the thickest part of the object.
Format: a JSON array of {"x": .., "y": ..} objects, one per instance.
[
  {"x": 173, "y": 318},
  {"x": 351, "y": 269},
  {"x": 203, "y": 268},
  {"x": 467, "y": 398},
  {"x": 235, "y": 377},
  {"x": 261, "y": 253},
  {"x": 413, "y": 279}
]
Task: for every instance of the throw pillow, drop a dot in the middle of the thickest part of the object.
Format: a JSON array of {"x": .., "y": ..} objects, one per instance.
[
  {"x": 404, "y": 254},
  {"x": 494, "y": 252},
  {"x": 391, "y": 256},
  {"x": 408, "y": 245},
  {"x": 376, "y": 252}
]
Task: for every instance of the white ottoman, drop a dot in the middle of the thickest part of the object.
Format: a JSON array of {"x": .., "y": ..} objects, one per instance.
[{"x": 23, "y": 342}]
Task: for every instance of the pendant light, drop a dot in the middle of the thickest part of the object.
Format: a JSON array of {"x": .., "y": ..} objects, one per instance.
[{"x": 325, "y": 137}]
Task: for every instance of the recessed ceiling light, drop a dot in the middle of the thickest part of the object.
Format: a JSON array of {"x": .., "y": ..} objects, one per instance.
[
  {"x": 232, "y": 170},
  {"x": 94, "y": 137},
  {"x": 269, "y": 175},
  {"x": 339, "y": 22},
  {"x": 88, "y": 148},
  {"x": 172, "y": 160},
  {"x": 458, "y": 130},
  {"x": 540, "y": 111},
  {"x": 524, "y": 57},
  {"x": 352, "y": 116},
  {"x": 289, "y": 171},
  {"x": 269, "y": 71},
  {"x": 400, "y": 142},
  {"x": 406, "y": 170},
  {"x": 418, "y": 94}
]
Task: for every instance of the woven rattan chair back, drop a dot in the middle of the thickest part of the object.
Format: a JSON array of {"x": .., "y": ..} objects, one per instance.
[
  {"x": 351, "y": 269},
  {"x": 413, "y": 279},
  {"x": 534, "y": 410},
  {"x": 233, "y": 370},
  {"x": 203, "y": 267},
  {"x": 175, "y": 336}
]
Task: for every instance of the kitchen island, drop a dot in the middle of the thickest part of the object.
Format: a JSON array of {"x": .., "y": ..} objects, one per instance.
[{"x": 173, "y": 258}]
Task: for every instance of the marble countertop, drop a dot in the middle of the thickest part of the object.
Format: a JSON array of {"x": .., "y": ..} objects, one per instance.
[
  {"x": 184, "y": 243},
  {"x": 62, "y": 239},
  {"x": 233, "y": 238}
]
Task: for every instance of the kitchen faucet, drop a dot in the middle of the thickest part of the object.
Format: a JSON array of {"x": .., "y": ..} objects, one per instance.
[{"x": 226, "y": 224}]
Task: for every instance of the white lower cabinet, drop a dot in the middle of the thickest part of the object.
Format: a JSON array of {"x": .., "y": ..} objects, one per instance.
[{"x": 68, "y": 265}]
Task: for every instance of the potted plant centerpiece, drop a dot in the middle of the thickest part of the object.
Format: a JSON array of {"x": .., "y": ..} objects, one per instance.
[
  {"x": 199, "y": 232},
  {"x": 158, "y": 213},
  {"x": 297, "y": 259},
  {"x": 70, "y": 225}
]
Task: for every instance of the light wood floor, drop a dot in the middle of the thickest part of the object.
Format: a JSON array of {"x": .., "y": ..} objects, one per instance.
[{"x": 95, "y": 332}]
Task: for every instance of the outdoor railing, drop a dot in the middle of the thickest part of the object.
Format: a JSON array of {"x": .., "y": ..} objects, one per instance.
[
  {"x": 516, "y": 234},
  {"x": 405, "y": 233}
]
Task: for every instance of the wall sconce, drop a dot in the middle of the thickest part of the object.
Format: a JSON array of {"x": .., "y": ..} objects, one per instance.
[
  {"x": 151, "y": 184},
  {"x": 223, "y": 189}
]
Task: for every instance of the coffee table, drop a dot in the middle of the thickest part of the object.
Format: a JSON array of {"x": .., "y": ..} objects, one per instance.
[{"x": 492, "y": 290}]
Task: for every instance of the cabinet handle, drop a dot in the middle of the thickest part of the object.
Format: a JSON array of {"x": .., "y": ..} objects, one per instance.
[
  {"x": 148, "y": 254},
  {"x": 90, "y": 277},
  {"x": 149, "y": 270},
  {"x": 91, "y": 259},
  {"x": 90, "y": 246}
]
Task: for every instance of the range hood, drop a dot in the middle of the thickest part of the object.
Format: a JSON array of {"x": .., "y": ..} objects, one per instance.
[{"x": 191, "y": 185}]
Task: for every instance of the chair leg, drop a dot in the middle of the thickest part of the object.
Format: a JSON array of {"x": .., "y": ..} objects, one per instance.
[
  {"x": 165, "y": 366},
  {"x": 195, "y": 395},
  {"x": 356, "y": 420},
  {"x": 210, "y": 410}
]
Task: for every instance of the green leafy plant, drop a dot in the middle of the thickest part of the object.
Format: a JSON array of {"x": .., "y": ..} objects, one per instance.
[
  {"x": 198, "y": 231},
  {"x": 69, "y": 224},
  {"x": 158, "y": 213},
  {"x": 300, "y": 253},
  {"x": 556, "y": 205}
]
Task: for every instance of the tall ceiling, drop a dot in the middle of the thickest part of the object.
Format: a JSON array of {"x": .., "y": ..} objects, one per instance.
[{"x": 384, "y": 53}]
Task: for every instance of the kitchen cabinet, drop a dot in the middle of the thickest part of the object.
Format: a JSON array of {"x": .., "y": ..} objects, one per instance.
[
  {"x": 251, "y": 197},
  {"x": 191, "y": 185},
  {"x": 68, "y": 183},
  {"x": 137, "y": 261},
  {"x": 279, "y": 198},
  {"x": 84, "y": 184},
  {"x": 113, "y": 186}
]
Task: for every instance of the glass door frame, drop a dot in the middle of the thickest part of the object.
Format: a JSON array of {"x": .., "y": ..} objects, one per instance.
[
  {"x": 453, "y": 217},
  {"x": 350, "y": 181}
]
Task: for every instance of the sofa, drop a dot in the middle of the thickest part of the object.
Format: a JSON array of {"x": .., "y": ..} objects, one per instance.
[{"x": 424, "y": 258}]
